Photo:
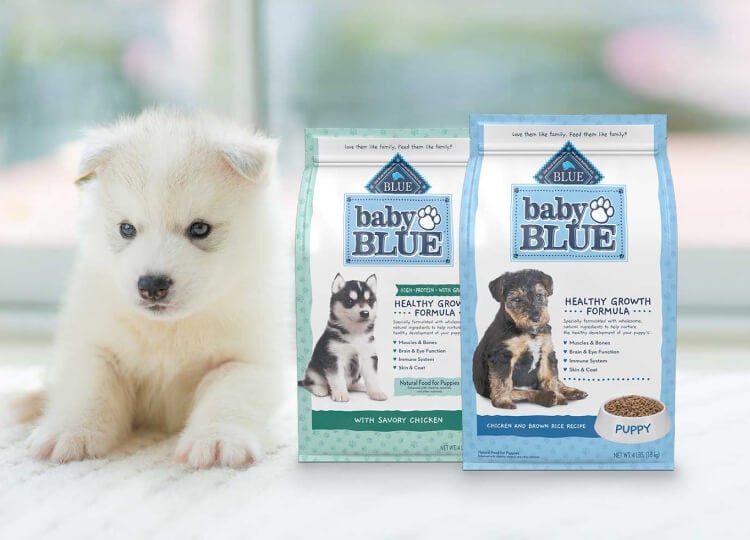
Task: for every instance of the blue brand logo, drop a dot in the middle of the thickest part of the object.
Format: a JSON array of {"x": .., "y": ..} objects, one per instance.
[
  {"x": 569, "y": 223},
  {"x": 388, "y": 230},
  {"x": 568, "y": 167},
  {"x": 399, "y": 178}
]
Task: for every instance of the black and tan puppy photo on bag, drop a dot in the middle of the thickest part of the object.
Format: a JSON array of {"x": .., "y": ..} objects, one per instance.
[{"x": 515, "y": 360}]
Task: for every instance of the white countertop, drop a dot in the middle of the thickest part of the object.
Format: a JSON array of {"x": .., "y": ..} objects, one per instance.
[{"x": 138, "y": 492}]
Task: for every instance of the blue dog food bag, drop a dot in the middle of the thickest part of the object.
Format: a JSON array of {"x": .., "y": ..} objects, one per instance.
[
  {"x": 568, "y": 289},
  {"x": 378, "y": 305}
]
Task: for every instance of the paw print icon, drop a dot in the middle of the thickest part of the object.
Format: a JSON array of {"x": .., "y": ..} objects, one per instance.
[
  {"x": 428, "y": 217},
  {"x": 601, "y": 210}
]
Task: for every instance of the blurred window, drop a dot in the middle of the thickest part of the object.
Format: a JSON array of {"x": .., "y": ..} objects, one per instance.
[
  {"x": 72, "y": 64},
  {"x": 424, "y": 63},
  {"x": 288, "y": 64}
]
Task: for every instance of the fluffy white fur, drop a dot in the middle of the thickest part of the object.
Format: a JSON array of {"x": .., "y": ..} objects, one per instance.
[{"x": 207, "y": 365}]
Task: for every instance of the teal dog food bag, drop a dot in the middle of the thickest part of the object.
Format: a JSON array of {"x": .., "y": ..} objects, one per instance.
[
  {"x": 568, "y": 289},
  {"x": 378, "y": 300}
]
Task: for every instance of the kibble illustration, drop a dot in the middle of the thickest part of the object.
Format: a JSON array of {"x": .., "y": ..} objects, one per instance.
[{"x": 633, "y": 406}]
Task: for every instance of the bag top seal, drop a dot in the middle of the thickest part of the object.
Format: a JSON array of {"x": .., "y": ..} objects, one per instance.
[
  {"x": 542, "y": 134},
  {"x": 362, "y": 146}
]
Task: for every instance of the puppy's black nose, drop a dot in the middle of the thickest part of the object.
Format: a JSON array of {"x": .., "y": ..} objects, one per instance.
[
  {"x": 154, "y": 287},
  {"x": 535, "y": 317},
  {"x": 364, "y": 314}
]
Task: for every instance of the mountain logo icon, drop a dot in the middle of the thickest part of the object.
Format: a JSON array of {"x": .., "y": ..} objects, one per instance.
[
  {"x": 398, "y": 177},
  {"x": 570, "y": 167}
]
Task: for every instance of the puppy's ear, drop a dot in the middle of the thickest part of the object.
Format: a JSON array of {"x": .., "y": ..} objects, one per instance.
[
  {"x": 99, "y": 144},
  {"x": 547, "y": 282},
  {"x": 338, "y": 283},
  {"x": 251, "y": 155},
  {"x": 497, "y": 287},
  {"x": 372, "y": 282}
]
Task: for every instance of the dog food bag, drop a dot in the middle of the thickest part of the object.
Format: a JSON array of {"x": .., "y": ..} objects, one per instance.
[
  {"x": 378, "y": 300},
  {"x": 568, "y": 286}
]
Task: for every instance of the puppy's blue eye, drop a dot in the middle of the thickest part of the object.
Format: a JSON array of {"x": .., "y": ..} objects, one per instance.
[
  {"x": 199, "y": 229},
  {"x": 127, "y": 230}
]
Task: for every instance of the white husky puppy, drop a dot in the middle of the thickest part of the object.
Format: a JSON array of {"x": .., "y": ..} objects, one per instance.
[{"x": 170, "y": 319}]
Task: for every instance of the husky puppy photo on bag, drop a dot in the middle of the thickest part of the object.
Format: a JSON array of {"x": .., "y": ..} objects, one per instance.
[
  {"x": 171, "y": 318},
  {"x": 345, "y": 358}
]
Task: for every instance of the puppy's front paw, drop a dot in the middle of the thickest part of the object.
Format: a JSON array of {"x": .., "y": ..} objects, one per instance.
[
  {"x": 339, "y": 395},
  {"x": 212, "y": 448},
  {"x": 318, "y": 390},
  {"x": 503, "y": 403},
  {"x": 62, "y": 446},
  {"x": 547, "y": 398},
  {"x": 574, "y": 393},
  {"x": 377, "y": 395}
]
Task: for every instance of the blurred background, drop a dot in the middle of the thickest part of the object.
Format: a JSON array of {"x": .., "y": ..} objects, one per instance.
[{"x": 289, "y": 64}]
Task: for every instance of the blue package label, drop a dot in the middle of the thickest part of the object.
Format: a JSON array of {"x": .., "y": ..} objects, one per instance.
[
  {"x": 536, "y": 426},
  {"x": 388, "y": 230},
  {"x": 569, "y": 223}
]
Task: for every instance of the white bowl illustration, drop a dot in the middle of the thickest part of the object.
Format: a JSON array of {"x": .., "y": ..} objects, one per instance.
[{"x": 632, "y": 429}]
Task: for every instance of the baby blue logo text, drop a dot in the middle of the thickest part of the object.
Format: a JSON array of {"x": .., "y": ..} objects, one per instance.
[
  {"x": 568, "y": 223},
  {"x": 398, "y": 230}
]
